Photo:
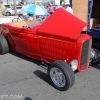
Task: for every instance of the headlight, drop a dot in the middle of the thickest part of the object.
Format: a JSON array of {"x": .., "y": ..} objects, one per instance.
[{"x": 74, "y": 64}]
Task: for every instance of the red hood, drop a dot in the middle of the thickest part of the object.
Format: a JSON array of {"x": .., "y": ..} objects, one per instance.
[{"x": 62, "y": 24}]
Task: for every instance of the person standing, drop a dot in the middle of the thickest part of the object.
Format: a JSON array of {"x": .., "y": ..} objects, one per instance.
[
  {"x": 67, "y": 7},
  {"x": 22, "y": 12},
  {"x": 50, "y": 8}
]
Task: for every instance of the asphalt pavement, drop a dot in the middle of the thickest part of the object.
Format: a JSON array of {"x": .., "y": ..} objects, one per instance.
[{"x": 22, "y": 78}]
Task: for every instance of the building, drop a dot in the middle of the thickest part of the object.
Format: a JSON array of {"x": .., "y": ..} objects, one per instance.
[{"x": 56, "y": 2}]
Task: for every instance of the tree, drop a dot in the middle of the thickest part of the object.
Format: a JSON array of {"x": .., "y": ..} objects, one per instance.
[
  {"x": 61, "y": 1},
  {"x": 7, "y": 2},
  {"x": 23, "y": 0},
  {"x": 14, "y": 2}
]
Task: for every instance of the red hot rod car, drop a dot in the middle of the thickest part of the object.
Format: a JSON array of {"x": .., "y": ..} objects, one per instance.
[{"x": 57, "y": 41}]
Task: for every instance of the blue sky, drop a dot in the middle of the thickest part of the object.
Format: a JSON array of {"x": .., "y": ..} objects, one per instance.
[{"x": 27, "y": 0}]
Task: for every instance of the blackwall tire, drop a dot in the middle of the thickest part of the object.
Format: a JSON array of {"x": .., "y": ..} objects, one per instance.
[
  {"x": 4, "y": 47},
  {"x": 8, "y": 13},
  {"x": 16, "y": 20},
  {"x": 96, "y": 49},
  {"x": 61, "y": 75}
]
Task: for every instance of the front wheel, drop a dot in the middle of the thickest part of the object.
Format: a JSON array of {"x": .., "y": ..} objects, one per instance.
[
  {"x": 16, "y": 20},
  {"x": 95, "y": 53},
  {"x": 61, "y": 75},
  {"x": 8, "y": 13}
]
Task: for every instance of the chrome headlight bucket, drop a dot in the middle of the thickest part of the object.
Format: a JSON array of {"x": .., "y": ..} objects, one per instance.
[{"x": 74, "y": 64}]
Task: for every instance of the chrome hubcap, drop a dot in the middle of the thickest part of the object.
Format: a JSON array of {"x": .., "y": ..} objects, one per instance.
[
  {"x": 95, "y": 55},
  {"x": 92, "y": 53},
  {"x": 57, "y": 77}
]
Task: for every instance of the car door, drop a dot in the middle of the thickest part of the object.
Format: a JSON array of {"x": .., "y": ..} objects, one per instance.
[
  {"x": 20, "y": 38},
  {"x": 12, "y": 11},
  {"x": 18, "y": 9}
]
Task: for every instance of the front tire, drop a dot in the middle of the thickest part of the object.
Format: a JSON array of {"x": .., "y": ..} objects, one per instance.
[
  {"x": 61, "y": 75},
  {"x": 95, "y": 53},
  {"x": 8, "y": 13},
  {"x": 4, "y": 48}
]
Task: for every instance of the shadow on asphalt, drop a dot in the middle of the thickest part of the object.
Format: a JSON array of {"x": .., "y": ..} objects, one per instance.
[
  {"x": 27, "y": 98},
  {"x": 96, "y": 66},
  {"x": 45, "y": 77},
  {"x": 12, "y": 52}
]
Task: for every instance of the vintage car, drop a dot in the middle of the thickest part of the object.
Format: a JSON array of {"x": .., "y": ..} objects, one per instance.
[{"x": 57, "y": 42}]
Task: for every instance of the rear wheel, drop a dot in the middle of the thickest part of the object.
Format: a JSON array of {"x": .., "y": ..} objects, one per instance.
[
  {"x": 95, "y": 53},
  {"x": 16, "y": 20},
  {"x": 61, "y": 75},
  {"x": 4, "y": 48}
]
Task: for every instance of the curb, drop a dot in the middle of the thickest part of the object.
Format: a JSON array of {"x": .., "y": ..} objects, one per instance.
[{"x": 8, "y": 17}]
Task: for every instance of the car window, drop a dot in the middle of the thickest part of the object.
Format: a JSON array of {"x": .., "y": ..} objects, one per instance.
[
  {"x": 12, "y": 8},
  {"x": 18, "y": 7}
]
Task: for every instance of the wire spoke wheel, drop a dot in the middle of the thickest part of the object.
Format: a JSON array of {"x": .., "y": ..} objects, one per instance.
[
  {"x": 16, "y": 20},
  {"x": 96, "y": 55}
]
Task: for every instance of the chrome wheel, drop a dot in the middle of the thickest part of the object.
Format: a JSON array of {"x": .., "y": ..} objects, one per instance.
[
  {"x": 57, "y": 77},
  {"x": 95, "y": 55},
  {"x": 61, "y": 75}
]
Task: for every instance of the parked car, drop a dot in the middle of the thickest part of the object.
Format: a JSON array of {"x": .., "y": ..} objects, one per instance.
[
  {"x": 11, "y": 11},
  {"x": 56, "y": 42},
  {"x": 90, "y": 13}
]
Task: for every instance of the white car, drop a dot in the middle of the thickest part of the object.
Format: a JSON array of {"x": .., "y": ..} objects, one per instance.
[{"x": 11, "y": 11}]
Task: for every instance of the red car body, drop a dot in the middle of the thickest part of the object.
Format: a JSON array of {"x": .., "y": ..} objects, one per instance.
[
  {"x": 58, "y": 42},
  {"x": 57, "y": 38}
]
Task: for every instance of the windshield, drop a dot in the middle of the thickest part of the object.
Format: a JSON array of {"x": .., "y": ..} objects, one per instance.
[{"x": 12, "y": 7}]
